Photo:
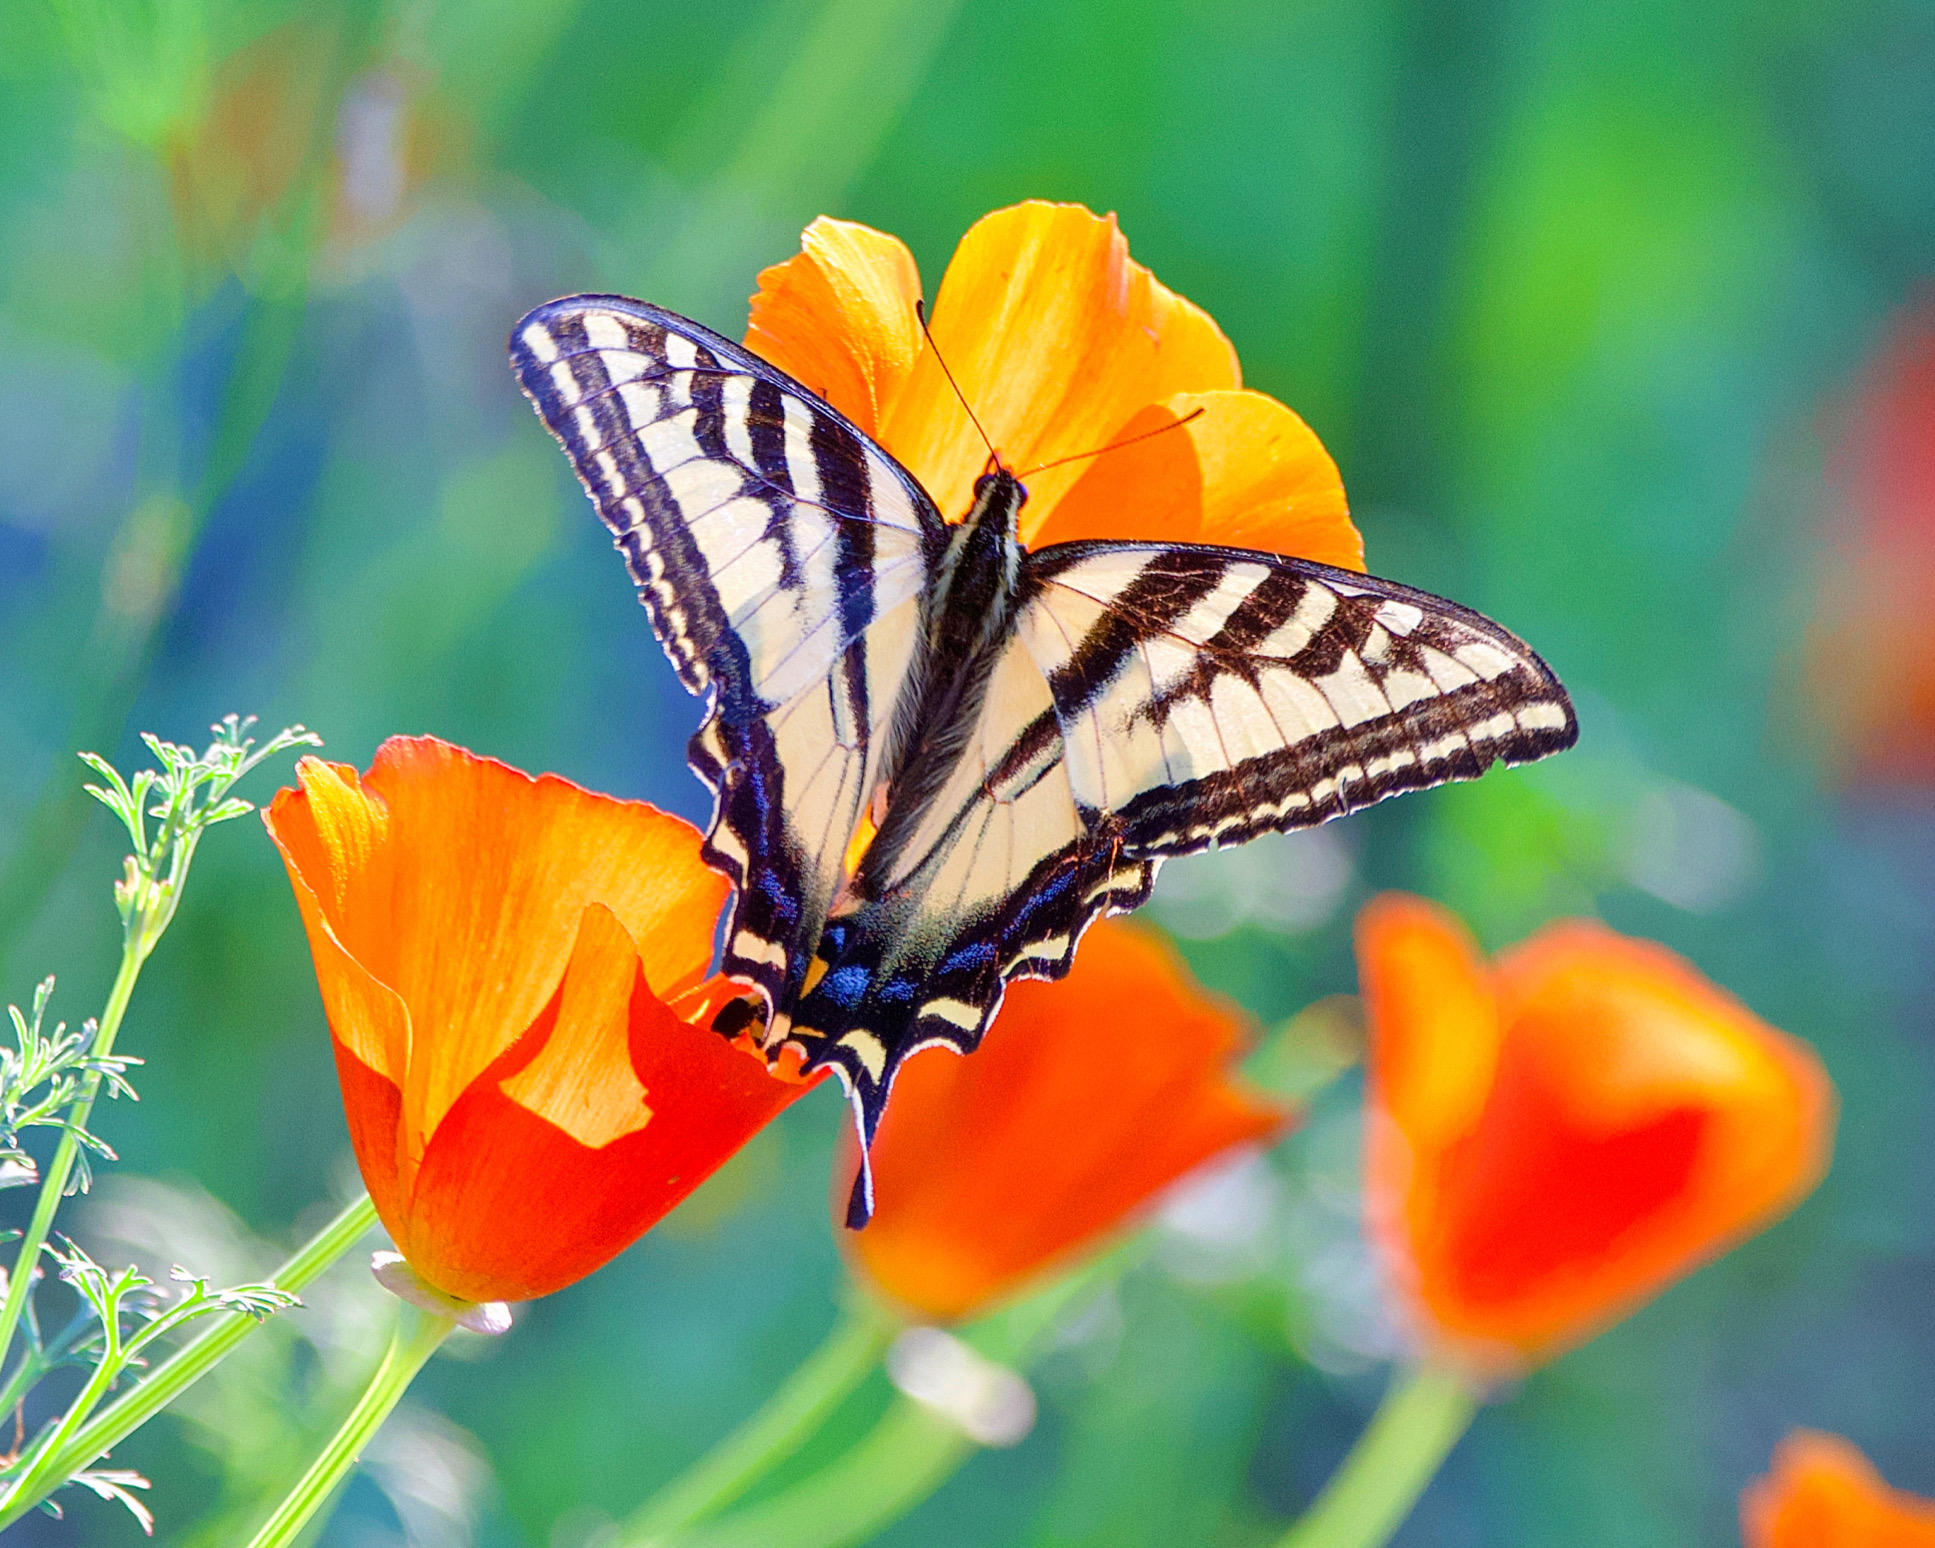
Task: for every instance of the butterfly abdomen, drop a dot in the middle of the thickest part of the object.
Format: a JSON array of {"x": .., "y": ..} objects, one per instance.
[{"x": 971, "y": 614}]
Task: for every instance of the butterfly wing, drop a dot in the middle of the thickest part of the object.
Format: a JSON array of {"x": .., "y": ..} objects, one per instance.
[
  {"x": 1152, "y": 700},
  {"x": 1207, "y": 695},
  {"x": 784, "y": 560}
]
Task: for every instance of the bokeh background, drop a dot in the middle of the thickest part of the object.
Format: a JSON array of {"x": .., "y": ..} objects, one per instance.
[{"x": 1614, "y": 318}]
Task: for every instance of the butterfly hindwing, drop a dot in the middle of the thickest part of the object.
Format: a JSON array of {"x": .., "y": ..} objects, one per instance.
[{"x": 784, "y": 560}]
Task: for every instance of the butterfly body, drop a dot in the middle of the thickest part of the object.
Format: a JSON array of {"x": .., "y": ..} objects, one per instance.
[{"x": 938, "y": 756}]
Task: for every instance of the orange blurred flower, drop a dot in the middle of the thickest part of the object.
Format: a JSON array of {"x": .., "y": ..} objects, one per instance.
[
  {"x": 1062, "y": 344},
  {"x": 1088, "y": 1099},
  {"x": 514, "y": 975},
  {"x": 1554, "y": 1138},
  {"x": 1871, "y": 645},
  {"x": 1823, "y": 1493}
]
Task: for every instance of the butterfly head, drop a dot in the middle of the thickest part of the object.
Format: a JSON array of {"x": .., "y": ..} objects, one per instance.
[{"x": 997, "y": 493}]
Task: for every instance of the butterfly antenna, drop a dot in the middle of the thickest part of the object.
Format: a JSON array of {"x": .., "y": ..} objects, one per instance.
[
  {"x": 1146, "y": 435},
  {"x": 920, "y": 312}
]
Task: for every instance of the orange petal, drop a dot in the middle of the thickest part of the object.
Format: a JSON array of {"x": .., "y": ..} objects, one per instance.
[
  {"x": 1433, "y": 1018},
  {"x": 1057, "y": 338},
  {"x": 373, "y": 1105},
  {"x": 1245, "y": 472},
  {"x": 582, "y": 1080},
  {"x": 508, "y": 1206},
  {"x": 840, "y": 317},
  {"x": 1644, "y": 1121},
  {"x": 1626, "y": 1121},
  {"x": 1267, "y": 481},
  {"x": 1823, "y": 1493},
  {"x": 1150, "y": 491},
  {"x": 1088, "y": 1099},
  {"x": 328, "y": 831},
  {"x": 459, "y": 883}
]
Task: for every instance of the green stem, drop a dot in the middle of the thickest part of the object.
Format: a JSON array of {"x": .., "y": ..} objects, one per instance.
[
  {"x": 796, "y": 1411},
  {"x": 187, "y": 1365},
  {"x": 21, "y": 1379},
  {"x": 136, "y": 944},
  {"x": 909, "y": 1454},
  {"x": 1412, "y": 1432},
  {"x": 418, "y": 1333},
  {"x": 40, "y": 1476}
]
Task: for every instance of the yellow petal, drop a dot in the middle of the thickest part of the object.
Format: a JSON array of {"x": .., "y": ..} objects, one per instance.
[
  {"x": 1236, "y": 468},
  {"x": 839, "y": 316},
  {"x": 1268, "y": 483},
  {"x": 1057, "y": 338}
]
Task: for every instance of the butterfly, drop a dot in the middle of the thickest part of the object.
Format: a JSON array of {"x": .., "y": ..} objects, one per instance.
[{"x": 936, "y": 756}]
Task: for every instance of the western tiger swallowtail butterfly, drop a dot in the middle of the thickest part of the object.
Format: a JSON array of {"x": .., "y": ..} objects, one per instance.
[{"x": 937, "y": 757}]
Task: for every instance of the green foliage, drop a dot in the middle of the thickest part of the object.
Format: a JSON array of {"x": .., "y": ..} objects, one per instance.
[
  {"x": 187, "y": 795},
  {"x": 51, "y": 1079},
  {"x": 41, "y": 1080},
  {"x": 121, "y": 1315}
]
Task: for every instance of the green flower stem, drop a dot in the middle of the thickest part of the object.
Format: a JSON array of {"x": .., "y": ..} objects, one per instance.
[
  {"x": 909, "y": 1454},
  {"x": 1412, "y": 1432},
  {"x": 40, "y": 1476},
  {"x": 181, "y": 1370},
  {"x": 796, "y": 1411},
  {"x": 137, "y": 942},
  {"x": 418, "y": 1333}
]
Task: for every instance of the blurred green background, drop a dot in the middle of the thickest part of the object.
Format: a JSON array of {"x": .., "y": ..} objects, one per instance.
[{"x": 1579, "y": 296}]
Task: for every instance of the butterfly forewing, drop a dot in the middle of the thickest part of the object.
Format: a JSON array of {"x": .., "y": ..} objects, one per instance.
[
  {"x": 784, "y": 559},
  {"x": 1207, "y": 695}
]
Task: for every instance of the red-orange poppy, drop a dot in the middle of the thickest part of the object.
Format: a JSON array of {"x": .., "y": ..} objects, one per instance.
[
  {"x": 1823, "y": 1493},
  {"x": 1061, "y": 344},
  {"x": 1554, "y": 1138},
  {"x": 514, "y": 975},
  {"x": 1871, "y": 646},
  {"x": 1088, "y": 1099}
]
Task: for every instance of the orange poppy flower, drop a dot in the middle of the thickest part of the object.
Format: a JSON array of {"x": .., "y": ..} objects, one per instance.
[
  {"x": 1552, "y": 1139},
  {"x": 514, "y": 975},
  {"x": 1088, "y": 1099},
  {"x": 1871, "y": 647},
  {"x": 1062, "y": 345},
  {"x": 1823, "y": 1493}
]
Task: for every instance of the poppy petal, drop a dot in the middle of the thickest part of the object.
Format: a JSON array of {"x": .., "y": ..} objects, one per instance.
[
  {"x": 1823, "y": 1493},
  {"x": 839, "y": 316},
  {"x": 1555, "y": 1140},
  {"x": 333, "y": 836},
  {"x": 1088, "y": 1098},
  {"x": 1703, "y": 1121},
  {"x": 1057, "y": 338},
  {"x": 1244, "y": 471},
  {"x": 1268, "y": 483},
  {"x": 459, "y": 884},
  {"x": 1149, "y": 491},
  {"x": 373, "y": 1107},
  {"x": 1434, "y": 1015},
  {"x": 547, "y": 1210},
  {"x": 582, "y": 1079}
]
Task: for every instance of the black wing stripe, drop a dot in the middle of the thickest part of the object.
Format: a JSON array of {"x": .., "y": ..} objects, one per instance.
[{"x": 1168, "y": 586}]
